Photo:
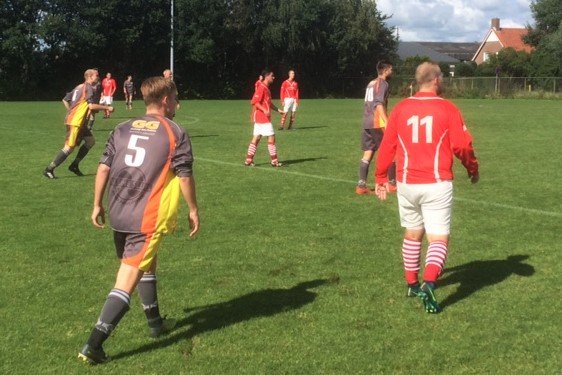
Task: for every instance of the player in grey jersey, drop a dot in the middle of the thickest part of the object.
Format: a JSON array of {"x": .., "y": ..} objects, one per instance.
[
  {"x": 147, "y": 166},
  {"x": 129, "y": 91}
]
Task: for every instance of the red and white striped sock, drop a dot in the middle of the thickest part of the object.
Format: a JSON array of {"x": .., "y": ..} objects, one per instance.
[
  {"x": 283, "y": 118},
  {"x": 251, "y": 152},
  {"x": 272, "y": 152},
  {"x": 435, "y": 260},
  {"x": 411, "y": 257}
]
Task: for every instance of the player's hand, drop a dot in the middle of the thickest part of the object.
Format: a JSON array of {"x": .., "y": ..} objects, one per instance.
[
  {"x": 193, "y": 223},
  {"x": 381, "y": 190},
  {"x": 98, "y": 217},
  {"x": 111, "y": 109},
  {"x": 281, "y": 111},
  {"x": 474, "y": 177}
]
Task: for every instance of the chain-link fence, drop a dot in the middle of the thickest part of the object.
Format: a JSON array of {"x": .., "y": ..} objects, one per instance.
[{"x": 464, "y": 87}]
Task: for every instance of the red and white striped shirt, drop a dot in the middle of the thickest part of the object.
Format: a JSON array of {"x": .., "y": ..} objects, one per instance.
[
  {"x": 289, "y": 89},
  {"x": 423, "y": 133},
  {"x": 262, "y": 96}
]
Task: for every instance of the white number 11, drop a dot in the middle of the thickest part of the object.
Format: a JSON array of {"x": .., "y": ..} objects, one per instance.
[{"x": 415, "y": 122}]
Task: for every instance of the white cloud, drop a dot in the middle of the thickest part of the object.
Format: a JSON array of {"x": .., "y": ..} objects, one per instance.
[{"x": 452, "y": 20}]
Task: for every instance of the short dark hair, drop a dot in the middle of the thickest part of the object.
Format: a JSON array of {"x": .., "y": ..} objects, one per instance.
[
  {"x": 266, "y": 72},
  {"x": 382, "y": 65}
]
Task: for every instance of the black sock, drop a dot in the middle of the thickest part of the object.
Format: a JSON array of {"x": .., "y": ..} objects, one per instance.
[
  {"x": 115, "y": 307},
  {"x": 363, "y": 169},
  {"x": 149, "y": 299},
  {"x": 60, "y": 157},
  {"x": 81, "y": 154}
]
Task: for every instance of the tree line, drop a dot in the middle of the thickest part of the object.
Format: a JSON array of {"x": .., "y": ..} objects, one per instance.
[{"x": 220, "y": 45}]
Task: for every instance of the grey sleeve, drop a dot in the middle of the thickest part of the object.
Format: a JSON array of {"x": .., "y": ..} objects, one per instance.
[
  {"x": 182, "y": 159},
  {"x": 109, "y": 152}
]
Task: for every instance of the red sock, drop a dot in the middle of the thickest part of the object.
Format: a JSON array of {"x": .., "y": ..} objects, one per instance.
[
  {"x": 411, "y": 257},
  {"x": 435, "y": 261},
  {"x": 251, "y": 152},
  {"x": 272, "y": 152}
]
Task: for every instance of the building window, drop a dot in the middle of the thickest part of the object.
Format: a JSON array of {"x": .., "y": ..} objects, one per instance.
[{"x": 486, "y": 56}]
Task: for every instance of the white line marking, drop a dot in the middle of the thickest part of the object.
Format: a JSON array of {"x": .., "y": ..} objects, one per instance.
[{"x": 465, "y": 200}]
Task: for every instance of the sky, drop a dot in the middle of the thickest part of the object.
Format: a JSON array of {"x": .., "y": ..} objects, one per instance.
[{"x": 452, "y": 20}]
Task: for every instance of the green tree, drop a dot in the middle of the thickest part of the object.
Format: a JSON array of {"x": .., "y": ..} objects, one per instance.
[{"x": 546, "y": 36}]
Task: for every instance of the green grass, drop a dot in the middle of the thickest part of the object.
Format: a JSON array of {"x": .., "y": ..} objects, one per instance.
[{"x": 292, "y": 273}]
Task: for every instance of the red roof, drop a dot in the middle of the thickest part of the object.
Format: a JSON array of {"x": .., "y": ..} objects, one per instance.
[{"x": 513, "y": 38}]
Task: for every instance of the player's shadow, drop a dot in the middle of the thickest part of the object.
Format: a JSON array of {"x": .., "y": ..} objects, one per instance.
[
  {"x": 263, "y": 303},
  {"x": 479, "y": 274},
  {"x": 310, "y": 127},
  {"x": 297, "y": 161},
  {"x": 203, "y": 136}
]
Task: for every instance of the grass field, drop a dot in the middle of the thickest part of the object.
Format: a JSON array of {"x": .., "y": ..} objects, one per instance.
[{"x": 292, "y": 273}]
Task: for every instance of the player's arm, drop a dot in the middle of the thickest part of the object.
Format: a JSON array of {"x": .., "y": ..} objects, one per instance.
[
  {"x": 182, "y": 164},
  {"x": 387, "y": 152},
  {"x": 98, "y": 213},
  {"x": 461, "y": 144},
  {"x": 276, "y": 109},
  {"x": 380, "y": 113},
  {"x": 113, "y": 88},
  {"x": 66, "y": 104},
  {"x": 187, "y": 186},
  {"x": 100, "y": 107},
  {"x": 282, "y": 92}
]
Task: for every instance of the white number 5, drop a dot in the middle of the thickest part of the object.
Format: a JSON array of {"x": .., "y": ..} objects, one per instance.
[
  {"x": 415, "y": 122},
  {"x": 137, "y": 158}
]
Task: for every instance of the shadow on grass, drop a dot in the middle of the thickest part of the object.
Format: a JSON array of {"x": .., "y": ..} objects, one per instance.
[
  {"x": 308, "y": 127},
  {"x": 477, "y": 275},
  {"x": 297, "y": 161},
  {"x": 263, "y": 303},
  {"x": 203, "y": 136}
]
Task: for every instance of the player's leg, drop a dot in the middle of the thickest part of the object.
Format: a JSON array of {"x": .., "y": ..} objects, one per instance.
[
  {"x": 286, "y": 106},
  {"x": 89, "y": 142},
  {"x": 370, "y": 141},
  {"x": 252, "y": 147},
  {"x": 392, "y": 177},
  {"x": 411, "y": 220},
  {"x": 272, "y": 148},
  {"x": 69, "y": 144},
  {"x": 293, "y": 111},
  {"x": 436, "y": 210},
  {"x": 149, "y": 299},
  {"x": 109, "y": 102}
]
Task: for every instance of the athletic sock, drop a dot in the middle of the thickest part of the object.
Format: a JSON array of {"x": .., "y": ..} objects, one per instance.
[
  {"x": 272, "y": 152},
  {"x": 435, "y": 261},
  {"x": 149, "y": 299},
  {"x": 283, "y": 118},
  {"x": 251, "y": 152},
  {"x": 291, "y": 120},
  {"x": 363, "y": 169},
  {"x": 81, "y": 154},
  {"x": 60, "y": 157},
  {"x": 411, "y": 257},
  {"x": 115, "y": 307}
]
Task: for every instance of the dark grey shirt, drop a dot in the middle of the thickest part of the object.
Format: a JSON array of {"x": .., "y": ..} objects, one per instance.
[{"x": 145, "y": 156}]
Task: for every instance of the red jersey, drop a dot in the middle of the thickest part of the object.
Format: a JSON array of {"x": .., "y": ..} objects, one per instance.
[
  {"x": 289, "y": 89},
  {"x": 262, "y": 96},
  {"x": 109, "y": 86},
  {"x": 423, "y": 133}
]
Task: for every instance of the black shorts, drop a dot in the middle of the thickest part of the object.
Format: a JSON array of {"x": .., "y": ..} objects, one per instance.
[{"x": 371, "y": 139}]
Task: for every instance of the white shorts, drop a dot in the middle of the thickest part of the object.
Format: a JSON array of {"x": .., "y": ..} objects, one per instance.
[
  {"x": 106, "y": 100},
  {"x": 265, "y": 130},
  {"x": 290, "y": 104},
  {"x": 426, "y": 206}
]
